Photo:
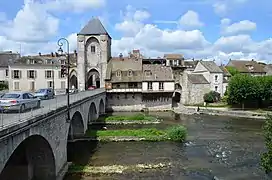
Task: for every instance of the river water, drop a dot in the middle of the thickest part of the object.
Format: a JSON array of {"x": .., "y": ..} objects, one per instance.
[{"x": 222, "y": 147}]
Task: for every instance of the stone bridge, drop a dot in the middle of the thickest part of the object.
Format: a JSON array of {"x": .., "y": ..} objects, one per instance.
[{"x": 37, "y": 149}]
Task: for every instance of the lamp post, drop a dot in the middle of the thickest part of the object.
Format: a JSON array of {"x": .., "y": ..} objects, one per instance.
[{"x": 61, "y": 42}]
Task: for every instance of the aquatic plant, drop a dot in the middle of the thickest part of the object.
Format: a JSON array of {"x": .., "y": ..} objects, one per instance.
[
  {"x": 135, "y": 117},
  {"x": 266, "y": 159},
  {"x": 177, "y": 133}
]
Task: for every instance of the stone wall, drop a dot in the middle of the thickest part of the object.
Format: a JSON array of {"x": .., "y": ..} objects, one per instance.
[
  {"x": 196, "y": 93},
  {"x": 134, "y": 102}
]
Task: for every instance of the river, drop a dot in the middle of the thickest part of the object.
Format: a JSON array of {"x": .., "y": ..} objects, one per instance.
[{"x": 223, "y": 147}]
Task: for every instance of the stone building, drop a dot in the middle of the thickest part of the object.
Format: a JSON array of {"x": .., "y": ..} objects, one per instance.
[
  {"x": 133, "y": 86},
  {"x": 226, "y": 77},
  {"x": 247, "y": 67},
  {"x": 94, "y": 53}
]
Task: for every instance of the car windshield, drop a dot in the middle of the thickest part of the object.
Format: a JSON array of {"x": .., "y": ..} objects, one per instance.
[
  {"x": 41, "y": 91},
  {"x": 11, "y": 96}
]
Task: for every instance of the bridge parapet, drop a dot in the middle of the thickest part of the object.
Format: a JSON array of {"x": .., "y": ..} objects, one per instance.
[{"x": 48, "y": 107}]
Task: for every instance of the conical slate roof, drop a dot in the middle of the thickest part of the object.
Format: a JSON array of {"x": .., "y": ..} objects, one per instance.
[{"x": 94, "y": 27}]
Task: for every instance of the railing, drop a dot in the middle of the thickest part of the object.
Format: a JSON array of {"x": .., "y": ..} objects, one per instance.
[
  {"x": 125, "y": 90},
  {"x": 10, "y": 119}
]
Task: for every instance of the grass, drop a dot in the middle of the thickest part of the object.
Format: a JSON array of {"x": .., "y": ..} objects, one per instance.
[
  {"x": 136, "y": 117},
  {"x": 175, "y": 133}
]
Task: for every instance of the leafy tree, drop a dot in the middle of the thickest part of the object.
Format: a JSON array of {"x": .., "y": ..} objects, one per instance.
[
  {"x": 3, "y": 86},
  {"x": 266, "y": 159},
  {"x": 211, "y": 97},
  {"x": 232, "y": 70}
]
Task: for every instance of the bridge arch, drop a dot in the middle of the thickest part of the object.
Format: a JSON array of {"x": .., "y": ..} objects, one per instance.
[
  {"x": 101, "y": 107},
  {"x": 76, "y": 127},
  {"x": 32, "y": 159},
  {"x": 92, "y": 112}
]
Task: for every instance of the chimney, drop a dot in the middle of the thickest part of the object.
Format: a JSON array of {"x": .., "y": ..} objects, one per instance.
[
  {"x": 40, "y": 54},
  {"x": 136, "y": 53},
  {"x": 57, "y": 55},
  {"x": 121, "y": 56},
  {"x": 52, "y": 54}
]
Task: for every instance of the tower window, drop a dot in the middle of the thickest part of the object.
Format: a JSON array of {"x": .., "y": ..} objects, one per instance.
[{"x": 93, "y": 49}]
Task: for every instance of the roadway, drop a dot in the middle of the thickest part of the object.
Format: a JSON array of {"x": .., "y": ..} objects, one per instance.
[{"x": 9, "y": 119}]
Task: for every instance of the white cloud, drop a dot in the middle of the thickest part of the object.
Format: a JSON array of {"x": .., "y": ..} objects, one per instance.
[
  {"x": 35, "y": 25},
  {"x": 132, "y": 21},
  {"x": 238, "y": 27},
  {"x": 222, "y": 7},
  {"x": 190, "y": 19}
]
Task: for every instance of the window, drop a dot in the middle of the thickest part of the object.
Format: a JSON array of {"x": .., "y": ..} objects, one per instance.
[
  {"x": 25, "y": 96},
  {"x": 31, "y": 74},
  {"x": 126, "y": 96},
  {"x": 148, "y": 73},
  {"x": 7, "y": 72},
  {"x": 16, "y": 74},
  {"x": 118, "y": 73},
  {"x": 161, "y": 86},
  {"x": 149, "y": 86},
  {"x": 31, "y": 61},
  {"x": 32, "y": 86},
  {"x": 62, "y": 61},
  {"x": 16, "y": 86},
  {"x": 48, "y": 74},
  {"x": 216, "y": 77},
  {"x": 216, "y": 88},
  {"x": 93, "y": 49},
  {"x": 171, "y": 62},
  {"x": 129, "y": 73},
  {"x": 63, "y": 84},
  {"x": 49, "y": 61},
  {"x": 61, "y": 75},
  {"x": 118, "y": 86},
  {"x": 50, "y": 84},
  {"x": 132, "y": 85}
]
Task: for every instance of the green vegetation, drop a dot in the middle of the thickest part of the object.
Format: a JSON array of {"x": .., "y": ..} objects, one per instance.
[
  {"x": 3, "y": 86},
  {"x": 266, "y": 160},
  {"x": 211, "y": 97},
  {"x": 176, "y": 133},
  {"x": 232, "y": 70},
  {"x": 247, "y": 89},
  {"x": 136, "y": 117}
]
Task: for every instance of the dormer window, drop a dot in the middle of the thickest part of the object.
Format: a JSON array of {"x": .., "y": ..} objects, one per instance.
[
  {"x": 31, "y": 61},
  {"x": 49, "y": 61},
  {"x": 118, "y": 73},
  {"x": 130, "y": 73},
  {"x": 148, "y": 73}
]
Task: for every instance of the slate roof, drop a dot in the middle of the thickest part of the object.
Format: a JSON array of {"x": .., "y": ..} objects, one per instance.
[
  {"x": 7, "y": 58},
  {"x": 243, "y": 66},
  {"x": 94, "y": 27},
  {"x": 190, "y": 64},
  {"x": 211, "y": 66},
  {"x": 197, "y": 79},
  {"x": 158, "y": 72}
]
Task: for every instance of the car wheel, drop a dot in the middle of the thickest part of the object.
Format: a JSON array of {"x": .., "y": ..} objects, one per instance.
[
  {"x": 22, "y": 108},
  {"x": 38, "y": 104}
]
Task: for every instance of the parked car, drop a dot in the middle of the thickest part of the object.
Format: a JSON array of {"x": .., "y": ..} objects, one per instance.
[
  {"x": 46, "y": 93},
  {"x": 18, "y": 101},
  {"x": 91, "y": 87}
]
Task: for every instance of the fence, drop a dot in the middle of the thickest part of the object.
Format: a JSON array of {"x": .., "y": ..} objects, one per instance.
[{"x": 10, "y": 119}]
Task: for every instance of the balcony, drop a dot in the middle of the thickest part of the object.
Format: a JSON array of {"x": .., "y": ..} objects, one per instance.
[{"x": 124, "y": 90}]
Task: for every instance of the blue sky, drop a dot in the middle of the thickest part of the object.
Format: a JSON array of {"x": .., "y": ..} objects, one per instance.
[{"x": 208, "y": 29}]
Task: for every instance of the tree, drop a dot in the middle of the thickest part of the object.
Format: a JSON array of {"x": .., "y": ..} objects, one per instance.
[
  {"x": 266, "y": 159},
  {"x": 211, "y": 97},
  {"x": 232, "y": 70}
]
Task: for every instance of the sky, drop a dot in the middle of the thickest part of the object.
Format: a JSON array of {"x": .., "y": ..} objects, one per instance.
[{"x": 201, "y": 29}]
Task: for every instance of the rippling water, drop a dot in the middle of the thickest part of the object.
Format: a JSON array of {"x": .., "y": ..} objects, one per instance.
[{"x": 228, "y": 148}]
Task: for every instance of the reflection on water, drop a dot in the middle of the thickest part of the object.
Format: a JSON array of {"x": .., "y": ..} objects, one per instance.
[{"x": 228, "y": 148}]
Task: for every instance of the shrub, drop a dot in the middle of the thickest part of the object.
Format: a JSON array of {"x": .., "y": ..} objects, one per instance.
[
  {"x": 266, "y": 159},
  {"x": 177, "y": 133},
  {"x": 3, "y": 86},
  {"x": 211, "y": 97}
]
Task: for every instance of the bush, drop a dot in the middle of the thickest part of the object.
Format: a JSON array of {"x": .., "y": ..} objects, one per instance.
[
  {"x": 177, "y": 133},
  {"x": 266, "y": 159},
  {"x": 3, "y": 86},
  {"x": 211, "y": 97}
]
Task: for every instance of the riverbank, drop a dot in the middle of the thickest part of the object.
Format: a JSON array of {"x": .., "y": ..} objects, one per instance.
[{"x": 220, "y": 111}]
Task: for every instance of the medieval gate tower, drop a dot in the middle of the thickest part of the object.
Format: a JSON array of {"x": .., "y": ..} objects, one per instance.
[{"x": 94, "y": 52}]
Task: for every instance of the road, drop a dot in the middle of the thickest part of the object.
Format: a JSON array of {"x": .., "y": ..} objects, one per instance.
[{"x": 9, "y": 119}]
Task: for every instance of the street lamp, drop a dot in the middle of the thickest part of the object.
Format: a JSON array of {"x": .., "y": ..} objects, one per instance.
[{"x": 61, "y": 42}]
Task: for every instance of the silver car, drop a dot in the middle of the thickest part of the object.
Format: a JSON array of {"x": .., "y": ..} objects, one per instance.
[{"x": 18, "y": 101}]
